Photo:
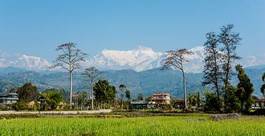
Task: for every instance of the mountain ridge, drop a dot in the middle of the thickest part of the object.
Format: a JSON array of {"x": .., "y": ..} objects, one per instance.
[{"x": 145, "y": 82}]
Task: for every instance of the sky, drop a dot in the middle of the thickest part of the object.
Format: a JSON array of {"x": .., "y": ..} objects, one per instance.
[{"x": 36, "y": 27}]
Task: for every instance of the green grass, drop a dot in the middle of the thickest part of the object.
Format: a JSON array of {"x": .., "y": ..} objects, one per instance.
[{"x": 140, "y": 126}]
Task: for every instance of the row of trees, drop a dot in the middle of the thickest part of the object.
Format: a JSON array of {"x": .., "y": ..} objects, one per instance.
[
  {"x": 220, "y": 57},
  {"x": 104, "y": 93},
  {"x": 31, "y": 99}
]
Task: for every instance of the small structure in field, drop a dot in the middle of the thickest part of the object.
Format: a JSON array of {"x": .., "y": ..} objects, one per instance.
[
  {"x": 138, "y": 105},
  {"x": 160, "y": 99},
  {"x": 8, "y": 98}
]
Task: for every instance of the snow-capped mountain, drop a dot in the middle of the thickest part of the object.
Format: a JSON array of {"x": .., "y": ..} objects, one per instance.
[
  {"x": 24, "y": 61},
  {"x": 32, "y": 62},
  {"x": 142, "y": 58},
  {"x": 139, "y": 59}
]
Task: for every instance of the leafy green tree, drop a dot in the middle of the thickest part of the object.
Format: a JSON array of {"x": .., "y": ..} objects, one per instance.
[
  {"x": 28, "y": 92},
  {"x": 263, "y": 86},
  {"x": 194, "y": 99},
  {"x": 210, "y": 102},
  {"x": 212, "y": 65},
  {"x": 245, "y": 89},
  {"x": 104, "y": 92},
  {"x": 140, "y": 97},
  {"x": 231, "y": 100},
  {"x": 128, "y": 94},
  {"x": 52, "y": 97}
]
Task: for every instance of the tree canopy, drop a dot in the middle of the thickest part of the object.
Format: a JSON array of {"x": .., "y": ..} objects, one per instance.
[
  {"x": 28, "y": 92},
  {"x": 103, "y": 91}
]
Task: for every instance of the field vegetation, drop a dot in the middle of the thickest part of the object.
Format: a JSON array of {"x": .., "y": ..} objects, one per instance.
[{"x": 185, "y": 125}]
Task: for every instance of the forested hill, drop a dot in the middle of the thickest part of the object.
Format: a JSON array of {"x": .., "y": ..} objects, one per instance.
[{"x": 145, "y": 82}]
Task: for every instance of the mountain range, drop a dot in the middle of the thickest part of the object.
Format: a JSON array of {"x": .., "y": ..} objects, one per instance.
[
  {"x": 145, "y": 82},
  {"x": 139, "y": 69},
  {"x": 139, "y": 59}
]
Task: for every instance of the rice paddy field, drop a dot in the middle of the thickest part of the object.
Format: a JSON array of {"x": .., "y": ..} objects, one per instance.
[{"x": 134, "y": 126}]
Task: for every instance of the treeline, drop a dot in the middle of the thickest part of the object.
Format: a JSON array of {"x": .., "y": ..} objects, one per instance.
[
  {"x": 220, "y": 64},
  {"x": 105, "y": 96}
]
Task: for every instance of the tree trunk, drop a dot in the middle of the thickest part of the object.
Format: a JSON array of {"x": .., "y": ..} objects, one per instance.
[
  {"x": 185, "y": 90},
  {"x": 71, "y": 89},
  {"x": 92, "y": 98}
]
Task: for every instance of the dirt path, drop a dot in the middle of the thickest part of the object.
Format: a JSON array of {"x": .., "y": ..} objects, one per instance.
[{"x": 55, "y": 112}]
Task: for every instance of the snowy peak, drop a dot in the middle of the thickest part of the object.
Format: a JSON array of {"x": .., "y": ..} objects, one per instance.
[
  {"x": 32, "y": 62},
  {"x": 138, "y": 59},
  {"x": 24, "y": 61}
]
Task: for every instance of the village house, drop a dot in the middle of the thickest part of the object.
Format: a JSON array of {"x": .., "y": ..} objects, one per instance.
[
  {"x": 160, "y": 99},
  {"x": 8, "y": 98},
  {"x": 156, "y": 100},
  {"x": 259, "y": 103}
]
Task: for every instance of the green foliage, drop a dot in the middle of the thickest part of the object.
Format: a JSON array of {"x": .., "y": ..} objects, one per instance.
[
  {"x": 122, "y": 90},
  {"x": 81, "y": 100},
  {"x": 140, "y": 97},
  {"x": 189, "y": 125},
  {"x": 128, "y": 94},
  {"x": 245, "y": 89},
  {"x": 263, "y": 86},
  {"x": 194, "y": 99},
  {"x": 231, "y": 101},
  {"x": 52, "y": 97},
  {"x": 104, "y": 92},
  {"x": 28, "y": 92},
  {"x": 212, "y": 102},
  {"x": 20, "y": 105}
]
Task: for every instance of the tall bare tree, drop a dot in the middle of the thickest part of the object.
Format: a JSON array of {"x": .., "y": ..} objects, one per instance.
[
  {"x": 212, "y": 64},
  {"x": 69, "y": 58},
  {"x": 230, "y": 41},
  {"x": 176, "y": 59},
  {"x": 92, "y": 74}
]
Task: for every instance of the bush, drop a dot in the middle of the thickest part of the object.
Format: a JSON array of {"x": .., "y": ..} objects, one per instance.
[
  {"x": 212, "y": 103},
  {"x": 21, "y": 105},
  {"x": 232, "y": 102}
]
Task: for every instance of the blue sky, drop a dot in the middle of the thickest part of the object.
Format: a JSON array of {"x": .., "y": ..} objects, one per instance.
[{"x": 37, "y": 27}]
